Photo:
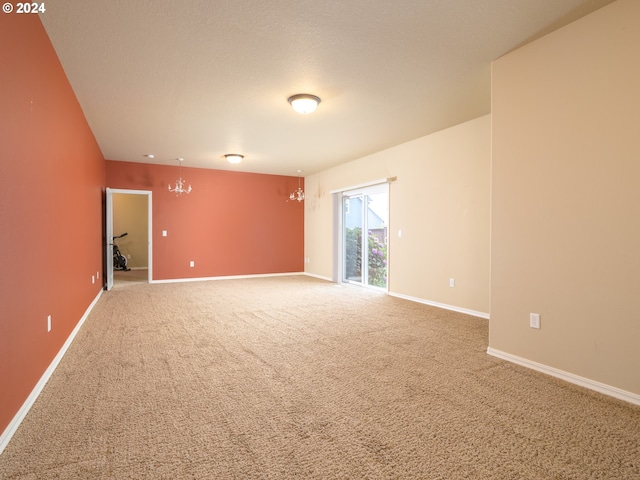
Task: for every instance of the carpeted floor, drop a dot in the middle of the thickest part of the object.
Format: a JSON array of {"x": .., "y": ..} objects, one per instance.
[
  {"x": 293, "y": 377},
  {"x": 127, "y": 278}
]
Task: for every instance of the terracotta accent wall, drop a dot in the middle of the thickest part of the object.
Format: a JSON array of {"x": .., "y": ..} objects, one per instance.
[
  {"x": 230, "y": 224},
  {"x": 565, "y": 230},
  {"x": 51, "y": 194}
]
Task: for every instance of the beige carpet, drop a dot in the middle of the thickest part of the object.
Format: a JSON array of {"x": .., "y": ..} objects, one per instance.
[{"x": 292, "y": 377}]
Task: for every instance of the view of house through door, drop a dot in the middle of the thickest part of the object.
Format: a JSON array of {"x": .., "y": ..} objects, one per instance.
[
  {"x": 128, "y": 211},
  {"x": 365, "y": 225}
]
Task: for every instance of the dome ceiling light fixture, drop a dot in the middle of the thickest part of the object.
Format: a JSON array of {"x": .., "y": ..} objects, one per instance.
[
  {"x": 304, "y": 102},
  {"x": 233, "y": 157}
]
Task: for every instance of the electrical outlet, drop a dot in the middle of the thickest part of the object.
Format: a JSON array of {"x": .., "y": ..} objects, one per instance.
[
  {"x": 534, "y": 320},
  {"x": 93, "y": 279},
  {"x": 452, "y": 282},
  {"x": 164, "y": 233},
  {"x": 192, "y": 263},
  {"x": 98, "y": 274},
  {"x": 48, "y": 323}
]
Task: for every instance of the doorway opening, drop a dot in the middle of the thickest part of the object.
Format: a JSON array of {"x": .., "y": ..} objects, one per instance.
[
  {"x": 128, "y": 211},
  {"x": 364, "y": 236}
]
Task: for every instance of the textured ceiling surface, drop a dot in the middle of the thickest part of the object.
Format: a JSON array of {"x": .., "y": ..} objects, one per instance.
[{"x": 200, "y": 78}]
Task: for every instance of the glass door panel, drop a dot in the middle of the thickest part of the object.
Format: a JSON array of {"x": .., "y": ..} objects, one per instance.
[
  {"x": 365, "y": 227},
  {"x": 377, "y": 214},
  {"x": 352, "y": 239}
]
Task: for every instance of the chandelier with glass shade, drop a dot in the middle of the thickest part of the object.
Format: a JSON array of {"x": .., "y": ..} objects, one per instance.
[
  {"x": 299, "y": 193},
  {"x": 179, "y": 187}
]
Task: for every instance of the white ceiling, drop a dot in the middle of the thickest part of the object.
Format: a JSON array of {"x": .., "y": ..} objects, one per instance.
[{"x": 201, "y": 78}]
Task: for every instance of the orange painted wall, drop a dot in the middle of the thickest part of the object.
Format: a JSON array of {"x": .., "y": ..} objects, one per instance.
[
  {"x": 232, "y": 223},
  {"x": 51, "y": 195}
]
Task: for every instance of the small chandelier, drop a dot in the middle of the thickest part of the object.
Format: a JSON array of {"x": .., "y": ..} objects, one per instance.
[
  {"x": 180, "y": 183},
  {"x": 304, "y": 102},
  {"x": 299, "y": 193}
]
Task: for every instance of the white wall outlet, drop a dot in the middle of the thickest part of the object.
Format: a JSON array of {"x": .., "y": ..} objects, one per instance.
[
  {"x": 93, "y": 279},
  {"x": 534, "y": 320},
  {"x": 164, "y": 233},
  {"x": 192, "y": 263},
  {"x": 399, "y": 233},
  {"x": 48, "y": 323},
  {"x": 452, "y": 282},
  {"x": 98, "y": 274}
]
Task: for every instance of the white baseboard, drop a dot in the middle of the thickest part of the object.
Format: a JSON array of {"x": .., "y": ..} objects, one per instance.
[
  {"x": 442, "y": 305},
  {"x": 26, "y": 406},
  {"x": 320, "y": 277},
  {"x": 229, "y": 277},
  {"x": 568, "y": 377}
]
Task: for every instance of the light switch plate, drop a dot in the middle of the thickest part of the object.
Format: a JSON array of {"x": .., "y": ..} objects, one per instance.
[{"x": 534, "y": 320}]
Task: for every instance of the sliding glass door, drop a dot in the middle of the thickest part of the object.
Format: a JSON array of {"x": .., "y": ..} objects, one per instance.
[
  {"x": 353, "y": 223},
  {"x": 365, "y": 219}
]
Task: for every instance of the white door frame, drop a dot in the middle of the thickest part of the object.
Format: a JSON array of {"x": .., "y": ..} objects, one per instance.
[
  {"x": 109, "y": 231},
  {"x": 380, "y": 186}
]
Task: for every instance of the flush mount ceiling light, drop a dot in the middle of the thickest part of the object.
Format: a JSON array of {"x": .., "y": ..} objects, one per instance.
[
  {"x": 234, "y": 157},
  {"x": 304, "y": 102},
  {"x": 180, "y": 183}
]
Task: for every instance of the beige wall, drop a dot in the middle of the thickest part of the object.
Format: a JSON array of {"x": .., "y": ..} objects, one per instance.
[
  {"x": 566, "y": 199},
  {"x": 131, "y": 215},
  {"x": 440, "y": 201}
]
